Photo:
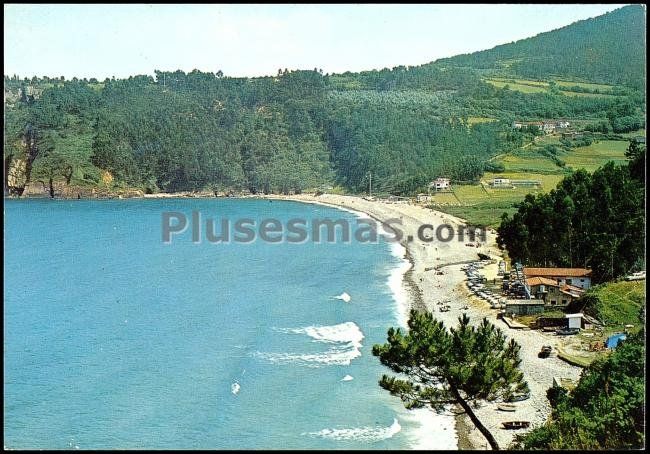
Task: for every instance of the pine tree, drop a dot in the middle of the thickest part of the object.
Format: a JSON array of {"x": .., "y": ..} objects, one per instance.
[{"x": 463, "y": 365}]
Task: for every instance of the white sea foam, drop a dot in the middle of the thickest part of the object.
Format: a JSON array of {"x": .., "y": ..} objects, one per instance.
[
  {"x": 429, "y": 430},
  {"x": 347, "y": 378},
  {"x": 344, "y": 296},
  {"x": 363, "y": 434},
  {"x": 344, "y": 339},
  {"x": 396, "y": 283}
]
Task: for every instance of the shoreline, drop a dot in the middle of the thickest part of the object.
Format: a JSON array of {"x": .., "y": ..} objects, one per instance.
[
  {"x": 414, "y": 299},
  {"x": 424, "y": 287},
  {"x": 409, "y": 292}
]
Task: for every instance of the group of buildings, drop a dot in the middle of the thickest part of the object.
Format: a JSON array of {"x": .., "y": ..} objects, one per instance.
[
  {"x": 440, "y": 184},
  {"x": 547, "y": 126},
  {"x": 537, "y": 289}
]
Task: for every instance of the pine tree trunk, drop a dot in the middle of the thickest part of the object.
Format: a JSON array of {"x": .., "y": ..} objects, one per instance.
[{"x": 486, "y": 433}]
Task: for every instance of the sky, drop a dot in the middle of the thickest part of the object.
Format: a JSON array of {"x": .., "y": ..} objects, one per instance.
[{"x": 256, "y": 40}]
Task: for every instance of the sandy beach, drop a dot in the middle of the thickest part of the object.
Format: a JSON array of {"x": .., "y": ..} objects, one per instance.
[{"x": 426, "y": 288}]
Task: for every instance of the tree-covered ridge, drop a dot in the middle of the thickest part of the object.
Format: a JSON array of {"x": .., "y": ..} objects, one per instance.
[
  {"x": 287, "y": 133},
  {"x": 202, "y": 131},
  {"x": 609, "y": 49}
]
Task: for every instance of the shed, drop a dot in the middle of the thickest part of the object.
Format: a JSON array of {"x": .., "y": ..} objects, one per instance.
[
  {"x": 524, "y": 306},
  {"x": 575, "y": 320}
]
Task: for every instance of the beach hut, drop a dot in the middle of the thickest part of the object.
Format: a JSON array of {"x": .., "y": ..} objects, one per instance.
[
  {"x": 524, "y": 306},
  {"x": 574, "y": 320}
]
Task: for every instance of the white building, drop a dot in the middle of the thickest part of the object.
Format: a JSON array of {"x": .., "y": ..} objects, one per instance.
[
  {"x": 440, "y": 184},
  {"x": 575, "y": 320},
  {"x": 562, "y": 124},
  {"x": 501, "y": 182}
]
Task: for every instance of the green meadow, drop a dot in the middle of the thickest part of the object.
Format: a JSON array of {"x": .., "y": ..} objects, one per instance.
[{"x": 482, "y": 204}]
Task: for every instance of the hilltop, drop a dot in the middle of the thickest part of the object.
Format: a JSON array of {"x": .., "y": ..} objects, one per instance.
[{"x": 609, "y": 49}]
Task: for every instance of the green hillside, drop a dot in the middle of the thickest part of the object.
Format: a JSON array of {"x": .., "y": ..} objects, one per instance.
[
  {"x": 608, "y": 49},
  {"x": 302, "y": 130}
]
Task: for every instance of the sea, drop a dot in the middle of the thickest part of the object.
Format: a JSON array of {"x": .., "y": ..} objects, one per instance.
[{"x": 114, "y": 338}]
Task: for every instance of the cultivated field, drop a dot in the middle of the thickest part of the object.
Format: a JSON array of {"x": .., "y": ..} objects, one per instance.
[
  {"x": 537, "y": 86},
  {"x": 483, "y": 204}
]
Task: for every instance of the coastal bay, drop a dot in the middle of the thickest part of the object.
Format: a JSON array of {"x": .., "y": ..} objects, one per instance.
[
  {"x": 199, "y": 346},
  {"x": 426, "y": 288}
]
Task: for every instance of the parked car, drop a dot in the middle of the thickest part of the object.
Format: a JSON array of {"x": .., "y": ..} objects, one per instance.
[{"x": 545, "y": 352}]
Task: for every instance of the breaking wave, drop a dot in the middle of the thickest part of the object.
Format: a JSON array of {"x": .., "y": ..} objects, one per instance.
[
  {"x": 363, "y": 434},
  {"x": 344, "y": 340},
  {"x": 344, "y": 296}
]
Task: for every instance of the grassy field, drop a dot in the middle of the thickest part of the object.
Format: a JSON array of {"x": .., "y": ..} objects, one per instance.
[
  {"x": 547, "y": 140},
  {"x": 585, "y": 95},
  {"x": 590, "y": 86},
  {"x": 486, "y": 213},
  {"x": 532, "y": 83},
  {"x": 537, "y": 86},
  {"x": 482, "y": 204},
  {"x": 530, "y": 161},
  {"x": 524, "y": 88},
  {"x": 445, "y": 198},
  {"x": 618, "y": 303},
  {"x": 475, "y": 120},
  {"x": 596, "y": 154},
  {"x": 640, "y": 132}
]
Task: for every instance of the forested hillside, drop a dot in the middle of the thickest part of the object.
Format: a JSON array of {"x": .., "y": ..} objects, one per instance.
[
  {"x": 306, "y": 130},
  {"x": 606, "y": 49}
]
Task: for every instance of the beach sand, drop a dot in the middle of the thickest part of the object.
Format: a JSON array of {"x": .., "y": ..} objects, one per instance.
[{"x": 426, "y": 288}]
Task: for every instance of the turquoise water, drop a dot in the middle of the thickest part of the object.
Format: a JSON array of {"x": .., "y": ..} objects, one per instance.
[{"x": 116, "y": 340}]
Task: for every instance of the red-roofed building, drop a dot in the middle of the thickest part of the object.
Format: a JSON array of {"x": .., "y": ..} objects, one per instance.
[
  {"x": 552, "y": 292},
  {"x": 577, "y": 277}
]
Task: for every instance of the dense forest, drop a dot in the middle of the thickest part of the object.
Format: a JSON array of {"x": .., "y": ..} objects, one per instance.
[
  {"x": 300, "y": 129},
  {"x": 608, "y": 49}
]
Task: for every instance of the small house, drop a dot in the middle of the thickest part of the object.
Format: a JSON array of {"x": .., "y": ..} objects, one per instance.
[
  {"x": 552, "y": 292},
  {"x": 440, "y": 184},
  {"x": 562, "y": 124},
  {"x": 500, "y": 182},
  {"x": 420, "y": 198},
  {"x": 524, "y": 306},
  {"x": 548, "y": 127},
  {"x": 574, "y": 320}
]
